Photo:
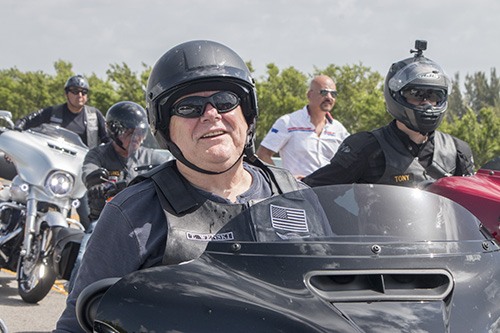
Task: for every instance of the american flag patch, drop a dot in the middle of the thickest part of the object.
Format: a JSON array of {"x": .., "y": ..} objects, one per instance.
[{"x": 289, "y": 219}]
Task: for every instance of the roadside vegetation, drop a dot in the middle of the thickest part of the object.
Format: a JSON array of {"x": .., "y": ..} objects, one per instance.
[{"x": 473, "y": 114}]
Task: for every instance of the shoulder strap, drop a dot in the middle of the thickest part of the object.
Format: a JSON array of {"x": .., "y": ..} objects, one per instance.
[
  {"x": 282, "y": 180},
  {"x": 166, "y": 179}
]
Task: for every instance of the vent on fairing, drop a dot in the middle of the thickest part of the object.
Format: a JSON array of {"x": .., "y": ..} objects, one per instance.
[
  {"x": 61, "y": 149},
  {"x": 380, "y": 285}
]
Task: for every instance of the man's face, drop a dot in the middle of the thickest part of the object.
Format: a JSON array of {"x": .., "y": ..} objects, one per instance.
[
  {"x": 214, "y": 141},
  {"x": 132, "y": 139},
  {"x": 320, "y": 96},
  {"x": 77, "y": 97}
]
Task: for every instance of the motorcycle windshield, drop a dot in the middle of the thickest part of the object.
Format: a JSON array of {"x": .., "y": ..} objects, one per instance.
[
  {"x": 350, "y": 212},
  {"x": 494, "y": 165},
  {"x": 57, "y": 132}
]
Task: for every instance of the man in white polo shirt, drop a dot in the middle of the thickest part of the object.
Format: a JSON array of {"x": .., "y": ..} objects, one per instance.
[{"x": 308, "y": 138}]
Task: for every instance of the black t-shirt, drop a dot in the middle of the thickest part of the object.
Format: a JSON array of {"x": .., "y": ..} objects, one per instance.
[{"x": 75, "y": 122}]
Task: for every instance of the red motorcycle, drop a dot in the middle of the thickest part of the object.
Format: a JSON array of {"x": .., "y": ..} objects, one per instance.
[{"x": 480, "y": 194}]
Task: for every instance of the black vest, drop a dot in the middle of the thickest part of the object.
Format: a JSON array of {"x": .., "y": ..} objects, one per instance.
[
  {"x": 91, "y": 122},
  {"x": 402, "y": 168},
  {"x": 193, "y": 220}
]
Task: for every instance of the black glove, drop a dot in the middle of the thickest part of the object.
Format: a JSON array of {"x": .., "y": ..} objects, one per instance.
[{"x": 97, "y": 192}]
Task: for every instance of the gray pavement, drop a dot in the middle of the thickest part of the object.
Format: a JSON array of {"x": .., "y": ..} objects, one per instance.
[{"x": 23, "y": 317}]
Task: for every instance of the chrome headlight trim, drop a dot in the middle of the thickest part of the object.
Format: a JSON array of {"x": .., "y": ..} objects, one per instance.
[{"x": 59, "y": 183}]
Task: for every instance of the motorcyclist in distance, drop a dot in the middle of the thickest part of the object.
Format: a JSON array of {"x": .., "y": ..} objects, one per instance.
[
  {"x": 409, "y": 150},
  {"x": 202, "y": 106},
  {"x": 123, "y": 158},
  {"x": 107, "y": 169},
  {"x": 76, "y": 116},
  {"x": 89, "y": 124}
]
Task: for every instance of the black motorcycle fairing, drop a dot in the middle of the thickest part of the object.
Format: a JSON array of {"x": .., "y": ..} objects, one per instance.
[{"x": 396, "y": 259}]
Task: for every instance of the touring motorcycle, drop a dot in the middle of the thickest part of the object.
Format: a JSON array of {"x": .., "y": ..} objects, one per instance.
[
  {"x": 38, "y": 238},
  {"x": 344, "y": 258}
]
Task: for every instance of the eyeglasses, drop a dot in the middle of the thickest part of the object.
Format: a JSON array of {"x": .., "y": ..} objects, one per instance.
[
  {"x": 194, "y": 106},
  {"x": 325, "y": 92},
  {"x": 424, "y": 94},
  {"x": 78, "y": 91}
]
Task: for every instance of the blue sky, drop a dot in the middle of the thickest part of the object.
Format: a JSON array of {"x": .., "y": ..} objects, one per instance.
[{"x": 463, "y": 36}]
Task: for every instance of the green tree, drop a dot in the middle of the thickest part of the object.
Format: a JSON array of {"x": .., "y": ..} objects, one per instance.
[
  {"x": 360, "y": 105},
  {"x": 480, "y": 130},
  {"x": 456, "y": 104},
  {"x": 128, "y": 85},
  {"x": 481, "y": 94},
  {"x": 279, "y": 93}
]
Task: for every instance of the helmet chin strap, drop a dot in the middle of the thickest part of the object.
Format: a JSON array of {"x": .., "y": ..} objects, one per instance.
[
  {"x": 179, "y": 156},
  {"x": 119, "y": 143}
]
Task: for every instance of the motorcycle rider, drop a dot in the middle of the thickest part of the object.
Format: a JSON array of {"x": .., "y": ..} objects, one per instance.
[
  {"x": 202, "y": 106},
  {"x": 74, "y": 115},
  {"x": 89, "y": 125},
  {"x": 409, "y": 150},
  {"x": 123, "y": 159}
]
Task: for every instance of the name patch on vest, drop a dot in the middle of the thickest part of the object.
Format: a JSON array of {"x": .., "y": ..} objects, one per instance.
[
  {"x": 227, "y": 236},
  {"x": 398, "y": 179}
]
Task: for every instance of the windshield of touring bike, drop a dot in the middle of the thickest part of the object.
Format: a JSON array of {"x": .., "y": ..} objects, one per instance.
[
  {"x": 354, "y": 211},
  {"x": 59, "y": 133}
]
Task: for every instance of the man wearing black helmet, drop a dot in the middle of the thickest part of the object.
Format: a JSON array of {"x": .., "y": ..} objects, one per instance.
[
  {"x": 107, "y": 169},
  {"x": 123, "y": 158},
  {"x": 409, "y": 150},
  {"x": 89, "y": 125},
  {"x": 201, "y": 104},
  {"x": 76, "y": 116}
]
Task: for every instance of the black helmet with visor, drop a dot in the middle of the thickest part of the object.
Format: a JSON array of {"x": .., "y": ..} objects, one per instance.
[{"x": 124, "y": 116}]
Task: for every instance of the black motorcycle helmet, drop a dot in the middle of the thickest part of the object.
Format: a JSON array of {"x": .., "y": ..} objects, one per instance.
[
  {"x": 195, "y": 66},
  {"x": 421, "y": 74},
  {"x": 123, "y": 115},
  {"x": 76, "y": 81}
]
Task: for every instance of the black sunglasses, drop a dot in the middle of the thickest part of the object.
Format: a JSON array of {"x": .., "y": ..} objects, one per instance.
[
  {"x": 77, "y": 91},
  {"x": 325, "y": 92},
  {"x": 194, "y": 106},
  {"x": 422, "y": 94}
]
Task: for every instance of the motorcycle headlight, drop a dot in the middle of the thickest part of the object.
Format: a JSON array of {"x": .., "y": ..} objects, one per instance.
[{"x": 59, "y": 183}]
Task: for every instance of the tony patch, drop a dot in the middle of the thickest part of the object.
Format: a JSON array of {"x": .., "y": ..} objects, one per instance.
[
  {"x": 228, "y": 236},
  {"x": 274, "y": 130},
  {"x": 289, "y": 219},
  {"x": 403, "y": 178}
]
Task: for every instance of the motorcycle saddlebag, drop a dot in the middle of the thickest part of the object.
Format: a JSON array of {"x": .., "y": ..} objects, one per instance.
[{"x": 67, "y": 244}]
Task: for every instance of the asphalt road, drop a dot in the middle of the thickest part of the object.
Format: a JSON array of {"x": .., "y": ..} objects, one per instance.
[{"x": 23, "y": 317}]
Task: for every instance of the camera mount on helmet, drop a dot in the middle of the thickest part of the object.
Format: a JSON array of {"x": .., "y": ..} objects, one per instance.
[{"x": 420, "y": 45}]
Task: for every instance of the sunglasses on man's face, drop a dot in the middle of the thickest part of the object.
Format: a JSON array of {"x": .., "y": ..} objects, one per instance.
[
  {"x": 325, "y": 92},
  {"x": 194, "y": 106},
  {"x": 78, "y": 91},
  {"x": 424, "y": 94}
]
